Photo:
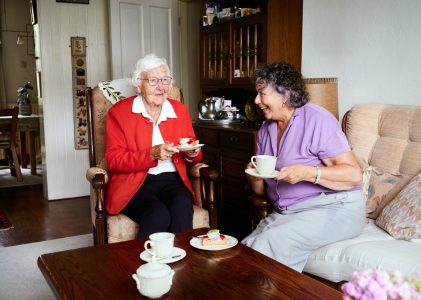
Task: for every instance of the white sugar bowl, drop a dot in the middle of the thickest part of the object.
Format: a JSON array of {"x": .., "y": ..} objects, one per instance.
[{"x": 153, "y": 279}]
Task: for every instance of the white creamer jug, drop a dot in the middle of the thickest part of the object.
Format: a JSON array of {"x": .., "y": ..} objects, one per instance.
[{"x": 153, "y": 279}]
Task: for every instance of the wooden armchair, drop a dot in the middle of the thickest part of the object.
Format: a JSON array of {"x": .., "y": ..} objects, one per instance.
[
  {"x": 116, "y": 228},
  {"x": 8, "y": 139}
]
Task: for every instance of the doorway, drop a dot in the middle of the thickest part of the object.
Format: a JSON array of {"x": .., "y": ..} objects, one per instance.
[{"x": 17, "y": 69}]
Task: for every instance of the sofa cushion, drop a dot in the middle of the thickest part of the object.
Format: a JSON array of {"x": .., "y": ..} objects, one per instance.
[
  {"x": 386, "y": 136},
  {"x": 377, "y": 186},
  {"x": 402, "y": 216},
  {"x": 374, "y": 248}
]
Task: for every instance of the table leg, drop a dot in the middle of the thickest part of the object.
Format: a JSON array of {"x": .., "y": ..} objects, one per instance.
[
  {"x": 32, "y": 152},
  {"x": 23, "y": 160}
]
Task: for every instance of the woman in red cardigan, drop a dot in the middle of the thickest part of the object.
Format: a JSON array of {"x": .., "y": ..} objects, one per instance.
[{"x": 148, "y": 177}]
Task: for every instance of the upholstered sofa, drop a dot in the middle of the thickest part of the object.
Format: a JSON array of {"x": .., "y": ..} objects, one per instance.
[
  {"x": 117, "y": 228},
  {"x": 386, "y": 139}
]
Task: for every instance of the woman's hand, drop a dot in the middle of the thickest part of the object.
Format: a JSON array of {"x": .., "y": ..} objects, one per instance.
[
  {"x": 339, "y": 173},
  {"x": 296, "y": 173},
  {"x": 192, "y": 154},
  {"x": 163, "y": 151},
  {"x": 256, "y": 184}
]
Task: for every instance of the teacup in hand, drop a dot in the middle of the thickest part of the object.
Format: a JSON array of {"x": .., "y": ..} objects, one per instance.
[
  {"x": 264, "y": 164},
  {"x": 162, "y": 244}
]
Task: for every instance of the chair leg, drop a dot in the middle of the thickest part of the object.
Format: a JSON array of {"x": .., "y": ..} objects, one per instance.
[{"x": 16, "y": 164}]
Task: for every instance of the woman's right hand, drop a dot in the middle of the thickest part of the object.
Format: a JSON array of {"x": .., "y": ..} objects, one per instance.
[
  {"x": 251, "y": 178},
  {"x": 163, "y": 151},
  {"x": 256, "y": 184}
]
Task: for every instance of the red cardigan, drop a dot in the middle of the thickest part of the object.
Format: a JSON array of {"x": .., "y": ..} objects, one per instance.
[{"x": 128, "y": 146}]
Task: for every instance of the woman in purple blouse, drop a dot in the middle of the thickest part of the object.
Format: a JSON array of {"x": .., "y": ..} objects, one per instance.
[{"x": 316, "y": 195}]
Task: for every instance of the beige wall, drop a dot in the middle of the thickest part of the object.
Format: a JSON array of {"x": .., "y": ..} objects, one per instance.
[{"x": 373, "y": 47}]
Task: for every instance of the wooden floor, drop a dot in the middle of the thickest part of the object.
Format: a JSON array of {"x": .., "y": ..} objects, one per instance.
[{"x": 36, "y": 219}]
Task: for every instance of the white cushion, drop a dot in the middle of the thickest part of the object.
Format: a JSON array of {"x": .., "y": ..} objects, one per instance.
[
  {"x": 117, "y": 89},
  {"x": 374, "y": 248}
]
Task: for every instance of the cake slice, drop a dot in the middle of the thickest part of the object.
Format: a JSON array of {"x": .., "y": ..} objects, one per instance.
[
  {"x": 188, "y": 142},
  {"x": 214, "y": 238}
]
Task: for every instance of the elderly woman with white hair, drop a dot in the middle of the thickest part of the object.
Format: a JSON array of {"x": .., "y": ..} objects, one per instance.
[{"x": 148, "y": 176}]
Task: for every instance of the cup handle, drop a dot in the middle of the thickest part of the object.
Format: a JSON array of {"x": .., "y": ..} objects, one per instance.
[
  {"x": 253, "y": 159},
  {"x": 149, "y": 249}
]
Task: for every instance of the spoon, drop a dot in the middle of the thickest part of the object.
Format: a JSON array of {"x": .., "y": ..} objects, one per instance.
[{"x": 171, "y": 257}]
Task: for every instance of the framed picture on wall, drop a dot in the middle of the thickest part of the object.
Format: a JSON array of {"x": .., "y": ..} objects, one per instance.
[
  {"x": 78, "y": 45},
  {"x": 74, "y": 1},
  {"x": 33, "y": 10}
]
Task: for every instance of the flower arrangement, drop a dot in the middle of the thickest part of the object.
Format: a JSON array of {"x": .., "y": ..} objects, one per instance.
[
  {"x": 379, "y": 285},
  {"x": 24, "y": 93}
]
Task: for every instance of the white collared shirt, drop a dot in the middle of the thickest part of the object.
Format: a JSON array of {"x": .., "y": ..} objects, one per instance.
[{"x": 166, "y": 113}]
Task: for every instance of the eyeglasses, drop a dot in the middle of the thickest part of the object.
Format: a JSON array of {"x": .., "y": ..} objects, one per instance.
[{"x": 166, "y": 80}]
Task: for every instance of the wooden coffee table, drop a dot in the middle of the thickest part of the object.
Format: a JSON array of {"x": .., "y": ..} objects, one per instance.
[{"x": 105, "y": 272}]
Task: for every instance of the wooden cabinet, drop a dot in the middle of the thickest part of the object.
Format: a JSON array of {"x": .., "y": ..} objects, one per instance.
[
  {"x": 228, "y": 149},
  {"x": 231, "y": 51}
]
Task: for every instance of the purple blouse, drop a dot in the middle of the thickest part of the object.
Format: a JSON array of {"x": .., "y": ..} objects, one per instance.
[{"x": 312, "y": 134}]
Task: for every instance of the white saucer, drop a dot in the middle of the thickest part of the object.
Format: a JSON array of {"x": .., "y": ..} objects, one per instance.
[
  {"x": 178, "y": 252},
  {"x": 189, "y": 148},
  {"x": 197, "y": 243},
  {"x": 253, "y": 172}
]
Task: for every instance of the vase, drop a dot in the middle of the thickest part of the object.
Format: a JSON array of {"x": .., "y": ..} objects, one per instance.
[{"x": 25, "y": 109}]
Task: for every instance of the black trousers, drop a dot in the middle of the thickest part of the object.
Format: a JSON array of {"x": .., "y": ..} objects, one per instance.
[{"x": 163, "y": 203}]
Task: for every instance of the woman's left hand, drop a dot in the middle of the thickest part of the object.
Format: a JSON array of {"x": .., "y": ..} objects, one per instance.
[
  {"x": 192, "y": 154},
  {"x": 296, "y": 173}
]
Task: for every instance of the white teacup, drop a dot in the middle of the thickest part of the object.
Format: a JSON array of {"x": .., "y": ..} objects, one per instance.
[
  {"x": 162, "y": 244},
  {"x": 264, "y": 164}
]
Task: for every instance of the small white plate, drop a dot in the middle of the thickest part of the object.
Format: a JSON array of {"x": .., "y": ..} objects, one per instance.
[
  {"x": 176, "y": 255},
  {"x": 196, "y": 242},
  {"x": 253, "y": 172},
  {"x": 189, "y": 148}
]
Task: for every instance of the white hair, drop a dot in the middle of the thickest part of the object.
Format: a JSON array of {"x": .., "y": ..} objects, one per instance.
[{"x": 148, "y": 62}]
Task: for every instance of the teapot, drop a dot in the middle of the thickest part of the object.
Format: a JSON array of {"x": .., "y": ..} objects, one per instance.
[
  {"x": 153, "y": 279},
  {"x": 207, "y": 108}
]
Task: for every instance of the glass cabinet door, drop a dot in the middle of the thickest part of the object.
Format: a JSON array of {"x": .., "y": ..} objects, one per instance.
[
  {"x": 247, "y": 50},
  {"x": 215, "y": 54}
]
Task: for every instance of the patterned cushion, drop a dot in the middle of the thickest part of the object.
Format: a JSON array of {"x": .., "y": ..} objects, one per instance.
[
  {"x": 402, "y": 216},
  {"x": 380, "y": 183},
  {"x": 121, "y": 228}
]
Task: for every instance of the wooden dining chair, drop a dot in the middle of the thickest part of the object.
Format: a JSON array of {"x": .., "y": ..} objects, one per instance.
[{"x": 8, "y": 139}]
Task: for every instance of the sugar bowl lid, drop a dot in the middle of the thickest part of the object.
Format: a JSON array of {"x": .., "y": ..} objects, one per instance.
[{"x": 153, "y": 269}]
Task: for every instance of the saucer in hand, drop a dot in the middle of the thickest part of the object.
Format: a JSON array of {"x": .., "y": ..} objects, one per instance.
[
  {"x": 176, "y": 255},
  {"x": 253, "y": 172}
]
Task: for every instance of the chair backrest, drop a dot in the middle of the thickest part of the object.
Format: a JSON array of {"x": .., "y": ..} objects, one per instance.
[
  {"x": 386, "y": 136},
  {"x": 9, "y": 126},
  {"x": 100, "y": 99}
]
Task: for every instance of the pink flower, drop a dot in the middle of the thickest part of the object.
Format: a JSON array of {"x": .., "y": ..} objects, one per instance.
[{"x": 379, "y": 285}]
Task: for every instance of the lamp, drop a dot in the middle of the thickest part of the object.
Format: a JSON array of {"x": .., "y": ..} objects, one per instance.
[
  {"x": 20, "y": 40},
  {"x": 324, "y": 92}
]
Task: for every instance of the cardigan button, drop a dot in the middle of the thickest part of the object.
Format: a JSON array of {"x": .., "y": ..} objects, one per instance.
[{"x": 175, "y": 160}]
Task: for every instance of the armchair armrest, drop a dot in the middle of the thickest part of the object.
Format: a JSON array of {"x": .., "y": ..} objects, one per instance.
[
  {"x": 98, "y": 178},
  {"x": 92, "y": 172},
  {"x": 260, "y": 207},
  {"x": 208, "y": 176}
]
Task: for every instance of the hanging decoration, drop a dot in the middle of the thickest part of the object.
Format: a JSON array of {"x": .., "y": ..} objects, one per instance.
[{"x": 78, "y": 49}]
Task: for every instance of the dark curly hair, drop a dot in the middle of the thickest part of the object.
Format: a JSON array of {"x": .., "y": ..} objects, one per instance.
[{"x": 285, "y": 79}]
